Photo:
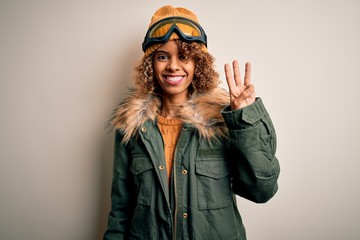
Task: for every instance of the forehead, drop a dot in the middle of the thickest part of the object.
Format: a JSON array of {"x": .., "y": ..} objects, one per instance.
[{"x": 170, "y": 47}]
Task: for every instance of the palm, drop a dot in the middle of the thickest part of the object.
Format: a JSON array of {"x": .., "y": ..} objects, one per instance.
[{"x": 242, "y": 93}]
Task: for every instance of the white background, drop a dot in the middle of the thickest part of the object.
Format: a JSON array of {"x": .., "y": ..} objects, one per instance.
[{"x": 65, "y": 65}]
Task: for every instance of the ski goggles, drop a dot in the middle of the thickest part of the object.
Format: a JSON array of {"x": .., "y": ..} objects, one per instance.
[{"x": 161, "y": 31}]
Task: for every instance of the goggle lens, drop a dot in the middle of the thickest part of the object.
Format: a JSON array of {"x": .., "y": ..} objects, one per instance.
[
  {"x": 187, "y": 28},
  {"x": 161, "y": 31}
]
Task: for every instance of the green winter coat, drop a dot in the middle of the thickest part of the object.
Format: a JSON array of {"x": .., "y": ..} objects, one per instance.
[{"x": 219, "y": 153}]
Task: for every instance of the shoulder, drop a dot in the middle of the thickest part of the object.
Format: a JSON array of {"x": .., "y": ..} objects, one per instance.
[
  {"x": 133, "y": 112},
  {"x": 203, "y": 111}
]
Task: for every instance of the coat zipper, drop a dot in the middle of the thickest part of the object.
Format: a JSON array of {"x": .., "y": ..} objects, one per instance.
[
  {"x": 175, "y": 192},
  {"x": 175, "y": 197}
]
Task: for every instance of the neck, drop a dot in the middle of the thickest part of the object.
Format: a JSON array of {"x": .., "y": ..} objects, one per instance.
[{"x": 167, "y": 104}]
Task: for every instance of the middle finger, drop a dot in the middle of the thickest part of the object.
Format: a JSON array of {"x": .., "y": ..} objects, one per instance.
[{"x": 237, "y": 75}]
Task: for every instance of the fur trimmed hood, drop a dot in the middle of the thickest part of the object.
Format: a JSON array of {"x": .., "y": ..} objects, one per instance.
[{"x": 202, "y": 111}]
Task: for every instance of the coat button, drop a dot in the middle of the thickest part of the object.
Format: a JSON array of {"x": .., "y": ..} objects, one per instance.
[
  {"x": 161, "y": 167},
  {"x": 143, "y": 129},
  {"x": 184, "y": 171},
  {"x": 185, "y": 215}
]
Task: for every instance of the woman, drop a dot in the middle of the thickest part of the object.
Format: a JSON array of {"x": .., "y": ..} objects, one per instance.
[{"x": 183, "y": 146}]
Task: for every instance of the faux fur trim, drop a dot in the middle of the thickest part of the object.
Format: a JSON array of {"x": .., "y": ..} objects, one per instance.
[{"x": 203, "y": 111}]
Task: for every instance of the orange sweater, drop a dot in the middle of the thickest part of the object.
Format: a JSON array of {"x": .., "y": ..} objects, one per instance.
[{"x": 170, "y": 130}]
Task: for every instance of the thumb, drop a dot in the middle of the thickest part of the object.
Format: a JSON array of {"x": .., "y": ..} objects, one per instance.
[{"x": 247, "y": 93}]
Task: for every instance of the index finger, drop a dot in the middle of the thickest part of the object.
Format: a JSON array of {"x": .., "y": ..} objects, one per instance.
[{"x": 247, "y": 77}]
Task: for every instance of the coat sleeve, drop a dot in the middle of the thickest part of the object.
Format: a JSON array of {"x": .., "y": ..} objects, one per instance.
[
  {"x": 121, "y": 194},
  {"x": 252, "y": 147}
]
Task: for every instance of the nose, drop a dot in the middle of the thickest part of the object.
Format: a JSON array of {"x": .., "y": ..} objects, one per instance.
[{"x": 173, "y": 65}]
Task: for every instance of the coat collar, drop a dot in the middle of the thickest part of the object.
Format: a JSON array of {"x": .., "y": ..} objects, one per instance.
[{"x": 202, "y": 111}]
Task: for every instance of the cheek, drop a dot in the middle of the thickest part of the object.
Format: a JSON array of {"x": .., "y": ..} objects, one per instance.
[
  {"x": 157, "y": 70},
  {"x": 191, "y": 69}
]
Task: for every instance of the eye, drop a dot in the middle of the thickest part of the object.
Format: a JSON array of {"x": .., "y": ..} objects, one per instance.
[
  {"x": 184, "y": 57},
  {"x": 161, "y": 57}
]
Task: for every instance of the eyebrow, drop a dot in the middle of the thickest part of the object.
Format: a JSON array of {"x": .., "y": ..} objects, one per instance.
[
  {"x": 161, "y": 51},
  {"x": 166, "y": 52}
]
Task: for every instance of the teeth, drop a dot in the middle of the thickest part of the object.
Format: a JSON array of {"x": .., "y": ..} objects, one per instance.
[{"x": 174, "y": 79}]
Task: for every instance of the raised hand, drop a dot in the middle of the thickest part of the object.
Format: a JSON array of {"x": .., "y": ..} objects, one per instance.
[{"x": 242, "y": 93}]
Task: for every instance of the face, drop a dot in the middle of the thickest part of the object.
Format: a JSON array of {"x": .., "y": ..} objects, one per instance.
[{"x": 174, "y": 71}]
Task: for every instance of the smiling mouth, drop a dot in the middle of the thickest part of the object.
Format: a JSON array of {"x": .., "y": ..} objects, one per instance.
[{"x": 173, "y": 79}]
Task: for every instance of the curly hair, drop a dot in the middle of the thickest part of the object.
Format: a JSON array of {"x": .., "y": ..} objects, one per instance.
[{"x": 205, "y": 76}]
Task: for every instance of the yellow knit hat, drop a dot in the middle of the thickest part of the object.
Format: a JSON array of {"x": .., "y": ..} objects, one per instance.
[{"x": 169, "y": 11}]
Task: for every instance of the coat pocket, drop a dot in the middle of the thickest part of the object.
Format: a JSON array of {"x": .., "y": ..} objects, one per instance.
[
  {"x": 213, "y": 184},
  {"x": 142, "y": 170}
]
